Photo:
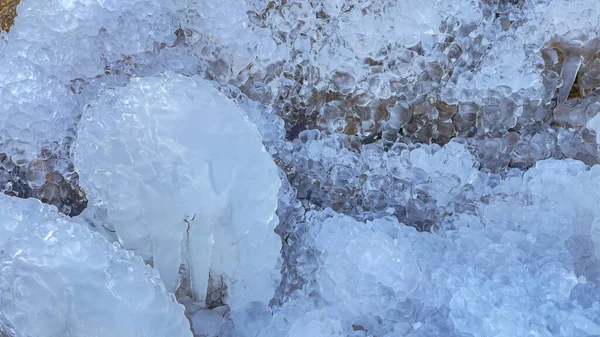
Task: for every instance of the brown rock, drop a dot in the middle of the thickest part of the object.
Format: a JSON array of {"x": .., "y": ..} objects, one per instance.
[{"x": 8, "y": 12}]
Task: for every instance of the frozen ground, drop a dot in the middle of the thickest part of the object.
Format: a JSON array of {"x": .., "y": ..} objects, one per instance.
[{"x": 300, "y": 168}]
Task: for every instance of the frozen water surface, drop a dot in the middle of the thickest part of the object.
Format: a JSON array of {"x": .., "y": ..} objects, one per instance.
[{"x": 300, "y": 168}]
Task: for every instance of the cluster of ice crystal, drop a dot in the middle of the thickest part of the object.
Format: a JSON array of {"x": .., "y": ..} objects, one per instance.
[
  {"x": 8, "y": 11},
  {"x": 526, "y": 264},
  {"x": 54, "y": 43},
  {"x": 58, "y": 278},
  {"x": 72, "y": 49},
  {"x": 55, "y": 58},
  {"x": 437, "y": 168},
  {"x": 181, "y": 176},
  {"x": 433, "y": 71},
  {"x": 416, "y": 184}
]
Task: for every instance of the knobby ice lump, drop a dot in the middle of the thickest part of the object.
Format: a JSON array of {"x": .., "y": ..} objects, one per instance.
[
  {"x": 58, "y": 278},
  {"x": 183, "y": 179}
]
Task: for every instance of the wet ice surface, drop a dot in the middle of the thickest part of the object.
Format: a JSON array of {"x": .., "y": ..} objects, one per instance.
[
  {"x": 189, "y": 185},
  {"x": 59, "y": 278},
  {"x": 324, "y": 168},
  {"x": 524, "y": 264}
]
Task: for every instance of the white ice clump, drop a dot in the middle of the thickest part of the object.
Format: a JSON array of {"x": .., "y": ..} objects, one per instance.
[
  {"x": 594, "y": 125},
  {"x": 54, "y": 48},
  {"x": 405, "y": 23},
  {"x": 506, "y": 68},
  {"x": 364, "y": 263},
  {"x": 512, "y": 63},
  {"x": 185, "y": 181},
  {"x": 58, "y": 278}
]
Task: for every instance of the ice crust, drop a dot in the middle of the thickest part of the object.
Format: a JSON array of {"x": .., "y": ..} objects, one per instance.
[
  {"x": 293, "y": 168},
  {"x": 184, "y": 180},
  {"x": 525, "y": 265},
  {"x": 59, "y": 278},
  {"x": 54, "y": 44}
]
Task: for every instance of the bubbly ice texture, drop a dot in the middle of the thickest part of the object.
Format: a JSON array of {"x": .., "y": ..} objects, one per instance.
[
  {"x": 509, "y": 253},
  {"x": 452, "y": 63},
  {"x": 184, "y": 180},
  {"x": 527, "y": 262},
  {"x": 59, "y": 278},
  {"x": 52, "y": 48},
  {"x": 417, "y": 184},
  {"x": 59, "y": 54},
  {"x": 54, "y": 60}
]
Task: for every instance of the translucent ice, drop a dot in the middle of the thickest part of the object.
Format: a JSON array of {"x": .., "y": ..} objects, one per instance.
[
  {"x": 412, "y": 139},
  {"x": 594, "y": 124},
  {"x": 53, "y": 46},
  {"x": 226, "y": 37},
  {"x": 186, "y": 182},
  {"x": 522, "y": 259},
  {"x": 60, "y": 279}
]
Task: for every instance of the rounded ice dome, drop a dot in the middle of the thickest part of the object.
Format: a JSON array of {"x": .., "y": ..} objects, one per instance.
[
  {"x": 186, "y": 184},
  {"x": 58, "y": 278}
]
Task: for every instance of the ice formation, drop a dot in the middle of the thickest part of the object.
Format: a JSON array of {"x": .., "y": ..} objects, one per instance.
[
  {"x": 44, "y": 45},
  {"x": 58, "y": 278},
  {"x": 308, "y": 168},
  {"x": 58, "y": 51},
  {"x": 526, "y": 264},
  {"x": 184, "y": 180}
]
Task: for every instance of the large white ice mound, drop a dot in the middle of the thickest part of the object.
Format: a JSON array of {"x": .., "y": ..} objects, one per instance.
[
  {"x": 185, "y": 180},
  {"x": 60, "y": 279}
]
